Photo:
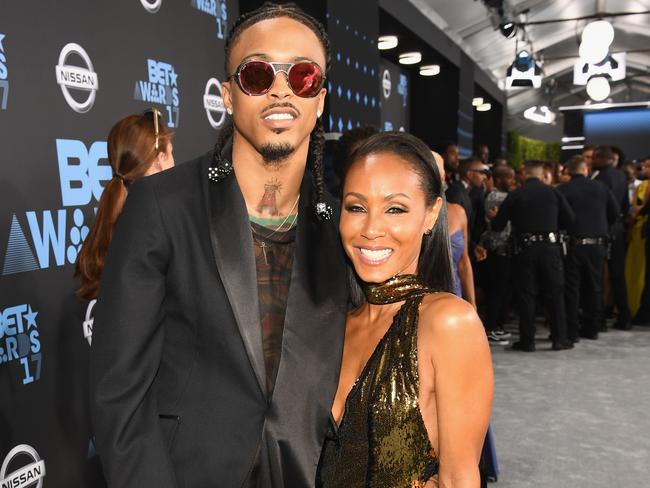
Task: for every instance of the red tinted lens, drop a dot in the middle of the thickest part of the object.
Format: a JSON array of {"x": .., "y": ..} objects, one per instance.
[
  {"x": 305, "y": 79},
  {"x": 256, "y": 77}
]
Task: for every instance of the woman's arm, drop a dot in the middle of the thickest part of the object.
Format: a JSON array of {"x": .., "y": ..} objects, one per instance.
[
  {"x": 462, "y": 365},
  {"x": 465, "y": 266}
]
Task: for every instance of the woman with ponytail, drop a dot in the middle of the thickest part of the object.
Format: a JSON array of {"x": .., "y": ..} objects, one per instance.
[{"x": 138, "y": 145}]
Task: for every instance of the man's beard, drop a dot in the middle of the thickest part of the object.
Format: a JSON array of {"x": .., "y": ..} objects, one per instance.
[{"x": 275, "y": 154}]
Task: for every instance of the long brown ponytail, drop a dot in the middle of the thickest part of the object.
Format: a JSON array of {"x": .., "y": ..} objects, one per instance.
[{"x": 131, "y": 152}]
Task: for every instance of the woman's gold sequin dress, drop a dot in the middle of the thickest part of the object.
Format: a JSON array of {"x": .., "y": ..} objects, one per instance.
[{"x": 382, "y": 441}]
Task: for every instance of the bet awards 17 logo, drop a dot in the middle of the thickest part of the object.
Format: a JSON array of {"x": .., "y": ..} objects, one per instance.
[
  {"x": 151, "y": 6},
  {"x": 218, "y": 10},
  {"x": 4, "y": 73},
  {"x": 20, "y": 341},
  {"x": 22, "y": 468},
  {"x": 37, "y": 236},
  {"x": 161, "y": 87},
  {"x": 81, "y": 80},
  {"x": 213, "y": 103}
]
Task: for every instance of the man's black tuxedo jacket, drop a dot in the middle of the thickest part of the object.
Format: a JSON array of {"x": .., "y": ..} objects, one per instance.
[{"x": 177, "y": 367}]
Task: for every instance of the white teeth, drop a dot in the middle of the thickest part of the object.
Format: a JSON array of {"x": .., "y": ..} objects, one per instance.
[
  {"x": 377, "y": 255},
  {"x": 280, "y": 116}
]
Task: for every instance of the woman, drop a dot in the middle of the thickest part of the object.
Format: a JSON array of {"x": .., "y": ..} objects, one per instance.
[
  {"x": 138, "y": 145},
  {"x": 457, "y": 223},
  {"x": 415, "y": 389}
]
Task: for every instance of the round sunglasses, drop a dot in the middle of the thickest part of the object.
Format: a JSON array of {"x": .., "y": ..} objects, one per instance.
[{"x": 257, "y": 77}]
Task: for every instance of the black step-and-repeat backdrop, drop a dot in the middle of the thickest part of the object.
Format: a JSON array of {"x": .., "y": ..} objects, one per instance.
[{"x": 68, "y": 71}]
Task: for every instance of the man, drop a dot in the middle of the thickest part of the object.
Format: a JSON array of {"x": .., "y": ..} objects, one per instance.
[
  {"x": 220, "y": 320},
  {"x": 595, "y": 210},
  {"x": 588, "y": 156},
  {"x": 616, "y": 181},
  {"x": 537, "y": 212},
  {"x": 499, "y": 257},
  {"x": 449, "y": 152},
  {"x": 469, "y": 192},
  {"x": 633, "y": 182},
  {"x": 483, "y": 153}
]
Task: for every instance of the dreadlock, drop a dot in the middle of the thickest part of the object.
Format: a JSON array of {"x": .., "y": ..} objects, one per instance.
[{"x": 267, "y": 11}]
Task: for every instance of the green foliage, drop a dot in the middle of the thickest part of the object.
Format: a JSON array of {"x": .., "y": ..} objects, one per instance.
[{"x": 521, "y": 148}]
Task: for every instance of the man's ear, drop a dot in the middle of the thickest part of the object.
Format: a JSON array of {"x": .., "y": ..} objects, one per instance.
[{"x": 226, "y": 93}]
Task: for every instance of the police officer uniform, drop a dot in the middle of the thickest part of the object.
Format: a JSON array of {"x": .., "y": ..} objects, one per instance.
[
  {"x": 537, "y": 212},
  {"x": 616, "y": 181},
  {"x": 596, "y": 210}
]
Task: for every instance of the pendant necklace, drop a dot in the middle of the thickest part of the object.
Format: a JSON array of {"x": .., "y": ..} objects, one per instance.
[{"x": 263, "y": 244}]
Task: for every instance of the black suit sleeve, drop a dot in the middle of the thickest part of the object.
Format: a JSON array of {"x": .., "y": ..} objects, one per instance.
[
  {"x": 127, "y": 348},
  {"x": 625, "y": 202},
  {"x": 500, "y": 221},
  {"x": 566, "y": 214},
  {"x": 613, "y": 209}
]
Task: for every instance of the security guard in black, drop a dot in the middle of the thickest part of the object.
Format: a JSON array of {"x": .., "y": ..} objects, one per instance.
[
  {"x": 596, "y": 210},
  {"x": 537, "y": 212}
]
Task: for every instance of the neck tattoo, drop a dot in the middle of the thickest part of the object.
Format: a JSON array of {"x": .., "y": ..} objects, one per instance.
[{"x": 269, "y": 203}]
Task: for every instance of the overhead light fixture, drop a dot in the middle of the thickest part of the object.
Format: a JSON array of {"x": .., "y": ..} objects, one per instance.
[
  {"x": 542, "y": 114},
  {"x": 484, "y": 107},
  {"x": 598, "y": 88},
  {"x": 410, "y": 58},
  {"x": 430, "y": 70},
  {"x": 387, "y": 42},
  {"x": 573, "y": 139},
  {"x": 595, "y": 41},
  {"x": 508, "y": 28},
  {"x": 613, "y": 66},
  {"x": 476, "y": 101},
  {"x": 524, "y": 72}
]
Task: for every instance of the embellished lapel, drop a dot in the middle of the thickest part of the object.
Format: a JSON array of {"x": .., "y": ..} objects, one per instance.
[{"x": 232, "y": 244}]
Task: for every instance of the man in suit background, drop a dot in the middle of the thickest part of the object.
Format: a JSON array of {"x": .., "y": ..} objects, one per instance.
[
  {"x": 614, "y": 179},
  {"x": 220, "y": 319}
]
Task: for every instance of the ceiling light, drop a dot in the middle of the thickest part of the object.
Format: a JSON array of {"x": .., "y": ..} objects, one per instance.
[
  {"x": 477, "y": 101},
  {"x": 595, "y": 41},
  {"x": 484, "y": 107},
  {"x": 524, "y": 71},
  {"x": 613, "y": 66},
  {"x": 410, "y": 58},
  {"x": 430, "y": 70},
  {"x": 593, "y": 52},
  {"x": 600, "y": 32},
  {"x": 542, "y": 114},
  {"x": 508, "y": 29},
  {"x": 598, "y": 88},
  {"x": 387, "y": 42}
]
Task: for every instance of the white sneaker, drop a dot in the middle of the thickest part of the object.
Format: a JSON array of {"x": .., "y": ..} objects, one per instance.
[
  {"x": 502, "y": 333},
  {"x": 497, "y": 340}
]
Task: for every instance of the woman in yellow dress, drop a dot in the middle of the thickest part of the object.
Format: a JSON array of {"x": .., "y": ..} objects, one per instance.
[{"x": 635, "y": 257}]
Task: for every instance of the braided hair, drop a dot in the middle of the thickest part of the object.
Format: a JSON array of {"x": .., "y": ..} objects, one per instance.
[{"x": 267, "y": 11}]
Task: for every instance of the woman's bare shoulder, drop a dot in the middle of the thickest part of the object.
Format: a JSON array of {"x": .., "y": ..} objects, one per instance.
[{"x": 446, "y": 314}]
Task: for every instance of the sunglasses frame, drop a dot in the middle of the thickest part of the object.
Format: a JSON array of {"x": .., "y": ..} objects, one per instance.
[
  {"x": 277, "y": 68},
  {"x": 156, "y": 127}
]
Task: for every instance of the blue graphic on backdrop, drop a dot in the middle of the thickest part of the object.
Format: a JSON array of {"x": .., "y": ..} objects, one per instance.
[
  {"x": 218, "y": 10},
  {"x": 402, "y": 88},
  {"x": 19, "y": 340},
  {"x": 59, "y": 232},
  {"x": 161, "y": 88},
  {"x": 4, "y": 74}
]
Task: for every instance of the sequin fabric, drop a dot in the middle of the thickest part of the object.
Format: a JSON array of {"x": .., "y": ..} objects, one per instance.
[{"x": 382, "y": 441}]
